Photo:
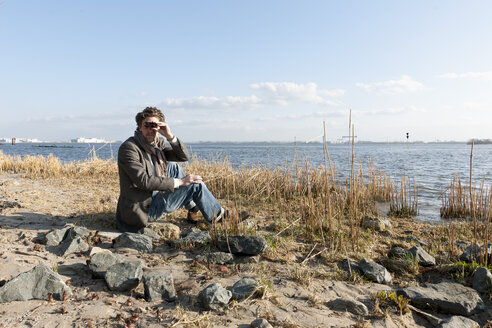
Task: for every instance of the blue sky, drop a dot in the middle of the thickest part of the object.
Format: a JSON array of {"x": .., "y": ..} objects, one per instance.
[{"x": 247, "y": 70}]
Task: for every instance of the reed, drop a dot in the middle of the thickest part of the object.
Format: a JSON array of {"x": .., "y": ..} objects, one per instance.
[{"x": 404, "y": 199}]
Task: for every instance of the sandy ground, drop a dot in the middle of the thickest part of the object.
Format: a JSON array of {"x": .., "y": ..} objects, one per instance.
[{"x": 287, "y": 302}]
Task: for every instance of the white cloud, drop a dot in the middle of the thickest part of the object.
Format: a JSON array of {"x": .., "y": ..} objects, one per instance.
[
  {"x": 285, "y": 93},
  {"x": 392, "y": 111},
  {"x": 469, "y": 75},
  {"x": 303, "y": 116},
  {"x": 212, "y": 102},
  {"x": 404, "y": 84}
]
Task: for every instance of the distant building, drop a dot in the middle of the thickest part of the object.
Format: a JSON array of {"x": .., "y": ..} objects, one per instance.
[
  {"x": 19, "y": 140},
  {"x": 89, "y": 140}
]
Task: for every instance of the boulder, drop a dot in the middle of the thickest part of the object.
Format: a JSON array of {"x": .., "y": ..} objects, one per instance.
[
  {"x": 398, "y": 253},
  {"x": 38, "y": 283},
  {"x": 482, "y": 280},
  {"x": 216, "y": 258},
  {"x": 260, "y": 323},
  {"x": 244, "y": 288},
  {"x": 242, "y": 245},
  {"x": 445, "y": 297},
  {"x": 474, "y": 253},
  {"x": 193, "y": 237},
  {"x": 214, "y": 297},
  {"x": 376, "y": 224},
  {"x": 159, "y": 286},
  {"x": 458, "y": 322},
  {"x": 149, "y": 232},
  {"x": 55, "y": 237},
  {"x": 136, "y": 241},
  {"x": 167, "y": 230},
  {"x": 77, "y": 232},
  {"x": 100, "y": 262},
  {"x": 375, "y": 272},
  {"x": 124, "y": 276},
  {"x": 349, "y": 266},
  {"x": 423, "y": 258},
  {"x": 348, "y": 305},
  {"x": 70, "y": 246}
]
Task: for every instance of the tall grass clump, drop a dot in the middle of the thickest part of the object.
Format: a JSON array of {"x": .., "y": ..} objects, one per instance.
[{"x": 404, "y": 199}]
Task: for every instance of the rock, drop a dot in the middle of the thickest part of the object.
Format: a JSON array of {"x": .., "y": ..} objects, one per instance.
[
  {"x": 482, "y": 280},
  {"x": 214, "y": 297},
  {"x": 193, "y": 237},
  {"x": 445, "y": 297},
  {"x": 77, "y": 231},
  {"x": 136, "y": 241},
  {"x": 9, "y": 204},
  {"x": 475, "y": 253},
  {"x": 376, "y": 224},
  {"x": 348, "y": 305},
  {"x": 99, "y": 263},
  {"x": 55, "y": 237},
  {"x": 38, "y": 283},
  {"x": 349, "y": 266},
  {"x": 246, "y": 259},
  {"x": 167, "y": 230},
  {"x": 243, "y": 245},
  {"x": 149, "y": 232},
  {"x": 399, "y": 253},
  {"x": 159, "y": 286},
  {"x": 375, "y": 272},
  {"x": 244, "y": 288},
  {"x": 96, "y": 250},
  {"x": 260, "y": 323},
  {"x": 124, "y": 276},
  {"x": 415, "y": 239},
  {"x": 423, "y": 258},
  {"x": 458, "y": 322},
  {"x": 216, "y": 257},
  {"x": 70, "y": 246}
]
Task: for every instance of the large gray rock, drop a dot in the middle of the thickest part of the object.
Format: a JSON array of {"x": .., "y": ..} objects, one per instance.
[
  {"x": 140, "y": 242},
  {"x": 482, "y": 280},
  {"x": 376, "y": 224},
  {"x": 99, "y": 263},
  {"x": 216, "y": 258},
  {"x": 70, "y": 246},
  {"x": 55, "y": 237},
  {"x": 458, "y": 322},
  {"x": 423, "y": 258},
  {"x": 76, "y": 232},
  {"x": 124, "y": 276},
  {"x": 348, "y": 305},
  {"x": 38, "y": 283},
  {"x": 195, "y": 237},
  {"x": 398, "y": 253},
  {"x": 375, "y": 272},
  {"x": 244, "y": 288},
  {"x": 242, "y": 245},
  {"x": 445, "y": 297},
  {"x": 149, "y": 232},
  {"x": 349, "y": 265},
  {"x": 159, "y": 286},
  {"x": 474, "y": 253},
  {"x": 214, "y": 297}
]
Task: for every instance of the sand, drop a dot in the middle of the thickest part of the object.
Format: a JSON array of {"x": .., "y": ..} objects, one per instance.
[{"x": 286, "y": 302}]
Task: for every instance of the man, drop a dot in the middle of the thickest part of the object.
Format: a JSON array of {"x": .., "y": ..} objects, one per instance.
[{"x": 151, "y": 182}]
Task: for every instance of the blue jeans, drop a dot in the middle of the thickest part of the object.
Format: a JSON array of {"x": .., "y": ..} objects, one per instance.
[{"x": 164, "y": 203}]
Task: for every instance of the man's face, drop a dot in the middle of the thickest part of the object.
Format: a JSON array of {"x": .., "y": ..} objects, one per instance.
[{"x": 150, "y": 133}]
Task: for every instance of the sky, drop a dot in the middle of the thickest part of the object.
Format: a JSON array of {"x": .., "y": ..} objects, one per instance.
[{"x": 269, "y": 70}]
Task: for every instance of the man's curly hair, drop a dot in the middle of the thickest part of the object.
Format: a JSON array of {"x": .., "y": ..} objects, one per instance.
[{"x": 149, "y": 112}]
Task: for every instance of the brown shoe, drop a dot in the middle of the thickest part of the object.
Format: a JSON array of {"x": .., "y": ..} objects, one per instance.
[{"x": 194, "y": 217}]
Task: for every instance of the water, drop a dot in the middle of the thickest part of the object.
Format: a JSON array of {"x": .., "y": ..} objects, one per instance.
[{"x": 432, "y": 165}]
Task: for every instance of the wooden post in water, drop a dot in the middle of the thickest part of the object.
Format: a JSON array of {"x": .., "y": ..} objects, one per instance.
[{"x": 13, "y": 141}]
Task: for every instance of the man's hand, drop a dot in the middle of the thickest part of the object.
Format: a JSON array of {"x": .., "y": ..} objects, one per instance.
[
  {"x": 189, "y": 179},
  {"x": 165, "y": 130}
]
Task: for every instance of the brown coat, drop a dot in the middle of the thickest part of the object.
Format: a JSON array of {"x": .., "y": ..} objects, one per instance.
[{"x": 137, "y": 181}]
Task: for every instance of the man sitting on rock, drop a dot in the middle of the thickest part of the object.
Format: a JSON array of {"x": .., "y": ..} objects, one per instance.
[{"x": 151, "y": 182}]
